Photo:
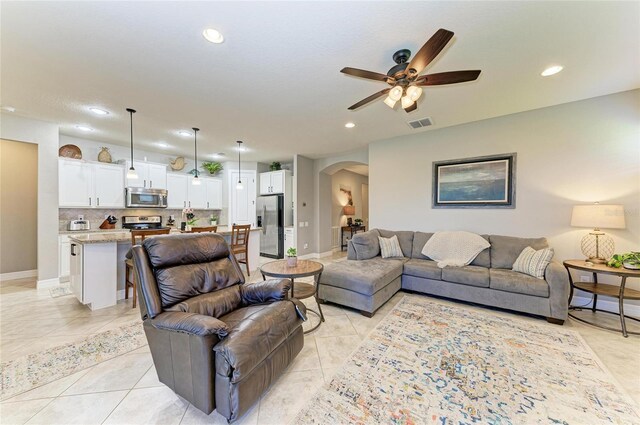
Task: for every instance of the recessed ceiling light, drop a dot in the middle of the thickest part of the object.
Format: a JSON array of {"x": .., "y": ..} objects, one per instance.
[
  {"x": 98, "y": 111},
  {"x": 349, "y": 125},
  {"x": 551, "y": 70},
  {"x": 9, "y": 108},
  {"x": 213, "y": 36},
  {"x": 163, "y": 145},
  {"x": 84, "y": 128},
  {"x": 218, "y": 155},
  {"x": 184, "y": 133}
]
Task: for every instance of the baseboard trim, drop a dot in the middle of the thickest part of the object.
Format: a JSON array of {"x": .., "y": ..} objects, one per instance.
[
  {"x": 605, "y": 304},
  {"x": 315, "y": 255},
  {"x": 48, "y": 283},
  {"x": 18, "y": 275}
]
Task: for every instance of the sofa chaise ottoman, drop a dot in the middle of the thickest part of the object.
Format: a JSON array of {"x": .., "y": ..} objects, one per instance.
[{"x": 365, "y": 281}]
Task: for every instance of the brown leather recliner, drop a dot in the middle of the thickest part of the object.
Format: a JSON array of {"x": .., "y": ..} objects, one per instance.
[{"x": 214, "y": 340}]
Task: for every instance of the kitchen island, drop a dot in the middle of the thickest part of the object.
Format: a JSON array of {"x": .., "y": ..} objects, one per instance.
[{"x": 97, "y": 269}]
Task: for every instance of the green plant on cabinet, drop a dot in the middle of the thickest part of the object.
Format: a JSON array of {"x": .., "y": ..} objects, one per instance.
[
  {"x": 213, "y": 167},
  {"x": 292, "y": 252}
]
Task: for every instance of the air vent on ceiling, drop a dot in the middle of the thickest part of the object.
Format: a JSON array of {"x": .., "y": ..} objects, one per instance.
[{"x": 423, "y": 122}]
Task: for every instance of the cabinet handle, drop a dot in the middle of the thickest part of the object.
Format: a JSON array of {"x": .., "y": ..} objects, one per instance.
[
  {"x": 89, "y": 200},
  {"x": 189, "y": 204},
  {"x": 150, "y": 183},
  {"x": 185, "y": 204},
  {"x": 144, "y": 183},
  {"x": 98, "y": 201},
  {"x": 207, "y": 204},
  {"x": 73, "y": 251}
]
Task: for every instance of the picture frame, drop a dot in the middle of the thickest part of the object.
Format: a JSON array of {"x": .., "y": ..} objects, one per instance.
[{"x": 478, "y": 182}]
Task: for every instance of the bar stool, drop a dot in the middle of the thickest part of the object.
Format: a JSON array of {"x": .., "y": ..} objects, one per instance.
[
  {"x": 128, "y": 263},
  {"x": 240, "y": 243}
]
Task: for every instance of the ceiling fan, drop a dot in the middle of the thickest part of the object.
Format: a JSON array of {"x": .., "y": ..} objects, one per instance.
[{"x": 405, "y": 79}]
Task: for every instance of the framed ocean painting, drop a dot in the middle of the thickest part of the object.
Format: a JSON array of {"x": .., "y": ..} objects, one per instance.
[{"x": 481, "y": 182}]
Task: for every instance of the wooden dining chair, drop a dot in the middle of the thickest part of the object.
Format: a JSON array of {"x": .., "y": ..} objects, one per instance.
[
  {"x": 129, "y": 282},
  {"x": 240, "y": 243},
  {"x": 209, "y": 229}
]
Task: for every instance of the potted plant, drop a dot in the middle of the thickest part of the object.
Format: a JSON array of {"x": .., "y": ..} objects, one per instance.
[
  {"x": 292, "y": 257},
  {"x": 213, "y": 167},
  {"x": 214, "y": 220},
  {"x": 190, "y": 217},
  {"x": 358, "y": 222},
  {"x": 275, "y": 166},
  {"x": 629, "y": 260}
]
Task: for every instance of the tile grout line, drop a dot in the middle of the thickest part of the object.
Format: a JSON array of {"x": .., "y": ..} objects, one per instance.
[{"x": 125, "y": 396}]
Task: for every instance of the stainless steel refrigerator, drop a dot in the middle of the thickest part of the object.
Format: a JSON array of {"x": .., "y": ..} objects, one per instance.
[{"x": 270, "y": 216}]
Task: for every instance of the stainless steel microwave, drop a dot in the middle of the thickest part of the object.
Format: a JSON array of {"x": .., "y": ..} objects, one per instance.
[{"x": 140, "y": 197}]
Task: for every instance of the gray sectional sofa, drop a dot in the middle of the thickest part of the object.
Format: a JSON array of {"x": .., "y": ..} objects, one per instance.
[{"x": 365, "y": 281}]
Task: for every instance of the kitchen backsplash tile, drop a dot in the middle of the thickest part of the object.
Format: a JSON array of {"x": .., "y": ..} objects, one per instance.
[{"x": 96, "y": 216}]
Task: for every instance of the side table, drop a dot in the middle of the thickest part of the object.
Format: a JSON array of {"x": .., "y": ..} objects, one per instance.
[
  {"x": 595, "y": 288},
  {"x": 299, "y": 290},
  {"x": 352, "y": 230}
]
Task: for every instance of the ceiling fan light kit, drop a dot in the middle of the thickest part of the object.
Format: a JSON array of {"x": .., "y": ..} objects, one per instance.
[{"x": 404, "y": 77}]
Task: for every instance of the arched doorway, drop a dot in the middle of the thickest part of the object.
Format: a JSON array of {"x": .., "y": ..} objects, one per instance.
[{"x": 343, "y": 197}]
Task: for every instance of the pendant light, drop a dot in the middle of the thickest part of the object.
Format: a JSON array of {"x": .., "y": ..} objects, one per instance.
[
  {"x": 131, "y": 174},
  {"x": 195, "y": 181},
  {"x": 239, "y": 186}
]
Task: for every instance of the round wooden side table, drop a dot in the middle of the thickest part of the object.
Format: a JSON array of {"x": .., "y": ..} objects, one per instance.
[
  {"x": 299, "y": 290},
  {"x": 596, "y": 289}
]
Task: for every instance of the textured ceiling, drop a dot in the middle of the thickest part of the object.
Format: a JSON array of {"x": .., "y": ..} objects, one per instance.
[{"x": 275, "y": 81}]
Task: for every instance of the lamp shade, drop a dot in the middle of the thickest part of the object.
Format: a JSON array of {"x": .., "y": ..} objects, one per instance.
[
  {"x": 597, "y": 216},
  {"x": 349, "y": 210}
]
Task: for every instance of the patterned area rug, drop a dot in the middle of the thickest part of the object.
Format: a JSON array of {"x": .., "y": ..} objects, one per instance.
[
  {"x": 34, "y": 370},
  {"x": 427, "y": 363},
  {"x": 60, "y": 291}
]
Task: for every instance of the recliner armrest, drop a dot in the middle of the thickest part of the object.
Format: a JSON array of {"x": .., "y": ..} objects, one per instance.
[
  {"x": 558, "y": 280},
  {"x": 265, "y": 291},
  {"x": 192, "y": 323}
]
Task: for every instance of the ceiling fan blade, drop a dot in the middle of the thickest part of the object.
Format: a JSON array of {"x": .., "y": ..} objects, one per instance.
[
  {"x": 451, "y": 77},
  {"x": 365, "y": 74},
  {"x": 369, "y": 99},
  {"x": 413, "y": 107},
  {"x": 430, "y": 50}
]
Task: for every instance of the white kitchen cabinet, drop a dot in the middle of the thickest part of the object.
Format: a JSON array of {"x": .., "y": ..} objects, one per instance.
[
  {"x": 108, "y": 182},
  {"x": 197, "y": 194},
  {"x": 177, "y": 194},
  {"x": 150, "y": 175},
  {"x": 75, "y": 182},
  {"x": 90, "y": 184},
  {"x": 214, "y": 193},
  {"x": 182, "y": 193},
  {"x": 274, "y": 182},
  {"x": 289, "y": 238},
  {"x": 94, "y": 274},
  {"x": 64, "y": 258}
]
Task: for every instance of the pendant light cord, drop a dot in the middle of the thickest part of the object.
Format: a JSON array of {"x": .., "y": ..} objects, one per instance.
[
  {"x": 195, "y": 143},
  {"x": 239, "y": 169},
  {"x": 131, "y": 112}
]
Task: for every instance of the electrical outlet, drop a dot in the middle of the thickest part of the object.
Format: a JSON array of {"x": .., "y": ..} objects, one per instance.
[
  {"x": 306, "y": 224},
  {"x": 302, "y": 224},
  {"x": 306, "y": 246},
  {"x": 80, "y": 216},
  {"x": 585, "y": 278}
]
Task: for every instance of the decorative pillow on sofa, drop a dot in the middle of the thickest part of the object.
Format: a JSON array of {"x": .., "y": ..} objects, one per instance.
[
  {"x": 533, "y": 262},
  {"x": 390, "y": 247}
]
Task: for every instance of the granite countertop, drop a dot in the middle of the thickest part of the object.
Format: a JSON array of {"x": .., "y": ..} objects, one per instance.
[{"x": 123, "y": 235}]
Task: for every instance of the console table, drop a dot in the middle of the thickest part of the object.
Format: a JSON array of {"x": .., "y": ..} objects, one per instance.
[
  {"x": 596, "y": 289},
  {"x": 351, "y": 230}
]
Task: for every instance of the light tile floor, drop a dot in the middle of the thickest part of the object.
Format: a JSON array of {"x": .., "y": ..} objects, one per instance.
[{"x": 126, "y": 390}]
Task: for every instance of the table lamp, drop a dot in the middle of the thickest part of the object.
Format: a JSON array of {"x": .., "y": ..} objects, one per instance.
[
  {"x": 349, "y": 210},
  {"x": 595, "y": 245}
]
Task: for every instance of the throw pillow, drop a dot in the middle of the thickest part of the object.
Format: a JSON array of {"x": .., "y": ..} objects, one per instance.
[
  {"x": 533, "y": 262},
  {"x": 390, "y": 247}
]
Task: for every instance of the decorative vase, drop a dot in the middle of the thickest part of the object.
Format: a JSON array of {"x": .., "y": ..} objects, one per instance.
[
  {"x": 292, "y": 261},
  {"x": 104, "y": 155}
]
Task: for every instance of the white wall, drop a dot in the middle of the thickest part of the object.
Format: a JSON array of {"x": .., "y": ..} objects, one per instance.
[
  {"x": 304, "y": 201},
  {"x": 45, "y": 135},
  {"x": 568, "y": 154}
]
